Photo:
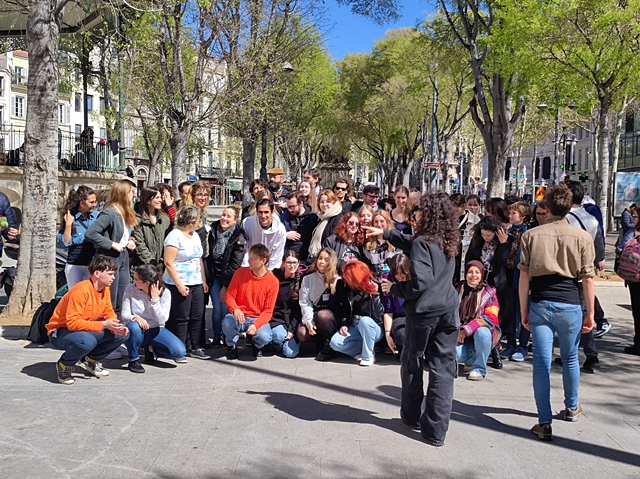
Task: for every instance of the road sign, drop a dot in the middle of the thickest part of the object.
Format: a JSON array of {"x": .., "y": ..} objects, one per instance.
[
  {"x": 431, "y": 164},
  {"x": 521, "y": 176},
  {"x": 514, "y": 175},
  {"x": 193, "y": 178}
]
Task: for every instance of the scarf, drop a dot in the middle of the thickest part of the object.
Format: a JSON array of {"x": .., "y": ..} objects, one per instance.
[
  {"x": 316, "y": 240},
  {"x": 222, "y": 239},
  {"x": 471, "y": 295}
]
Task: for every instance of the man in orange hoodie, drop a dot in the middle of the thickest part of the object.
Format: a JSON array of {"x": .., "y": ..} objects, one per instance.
[
  {"x": 84, "y": 324},
  {"x": 251, "y": 297}
]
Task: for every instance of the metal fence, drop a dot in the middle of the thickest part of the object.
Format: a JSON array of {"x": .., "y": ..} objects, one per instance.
[{"x": 75, "y": 151}]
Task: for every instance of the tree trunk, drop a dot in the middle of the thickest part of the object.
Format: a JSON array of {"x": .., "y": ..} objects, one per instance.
[
  {"x": 178, "y": 141},
  {"x": 35, "y": 280},
  {"x": 620, "y": 117},
  {"x": 602, "y": 183},
  {"x": 248, "y": 167}
]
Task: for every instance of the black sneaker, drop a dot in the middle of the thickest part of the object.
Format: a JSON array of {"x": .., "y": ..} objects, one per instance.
[
  {"x": 496, "y": 361},
  {"x": 590, "y": 364},
  {"x": 602, "y": 329},
  {"x": 217, "y": 341},
  {"x": 135, "y": 366},
  {"x": 256, "y": 351},
  {"x": 325, "y": 353},
  {"x": 232, "y": 352},
  {"x": 414, "y": 426},
  {"x": 64, "y": 373},
  {"x": 543, "y": 431},
  {"x": 149, "y": 357},
  {"x": 632, "y": 350},
  {"x": 199, "y": 354}
]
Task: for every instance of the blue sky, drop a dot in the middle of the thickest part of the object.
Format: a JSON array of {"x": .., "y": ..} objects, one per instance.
[{"x": 356, "y": 34}]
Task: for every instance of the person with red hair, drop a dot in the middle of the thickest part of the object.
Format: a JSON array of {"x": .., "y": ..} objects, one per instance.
[
  {"x": 346, "y": 240},
  {"x": 362, "y": 310}
]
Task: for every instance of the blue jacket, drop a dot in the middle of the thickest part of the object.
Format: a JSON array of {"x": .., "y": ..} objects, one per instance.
[
  {"x": 628, "y": 229},
  {"x": 7, "y": 212}
]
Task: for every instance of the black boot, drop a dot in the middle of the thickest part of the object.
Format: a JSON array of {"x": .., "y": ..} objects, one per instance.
[{"x": 496, "y": 362}]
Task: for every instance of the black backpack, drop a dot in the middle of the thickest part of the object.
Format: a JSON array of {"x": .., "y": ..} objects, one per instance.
[{"x": 38, "y": 331}]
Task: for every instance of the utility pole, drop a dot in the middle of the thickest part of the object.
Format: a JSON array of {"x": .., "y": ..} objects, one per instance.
[
  {"x": 556, "y": 144},
  {"x": 434, "y": 138}
]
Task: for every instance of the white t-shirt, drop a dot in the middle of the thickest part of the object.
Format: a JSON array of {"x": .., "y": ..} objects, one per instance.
[{"x": 187, "y": 262}]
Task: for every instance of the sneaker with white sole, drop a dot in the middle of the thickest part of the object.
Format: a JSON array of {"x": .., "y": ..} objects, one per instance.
[
  {"x": 182, "y": 360},
  {"x": 520, "y": 355},
  {"x": 571, "y": 415},
  {"x": 94, "y": 367},
  {"x": 64, "y": 373},
  {"x": 475, "y": 376},
  {"x": 602, "y": 329},
  {"x": 368, "y": 362},
  {"x": 119, "y": 353}
]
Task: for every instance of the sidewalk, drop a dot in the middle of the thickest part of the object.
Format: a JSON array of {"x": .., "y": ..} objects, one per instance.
[{"x": 279, "y": 418}]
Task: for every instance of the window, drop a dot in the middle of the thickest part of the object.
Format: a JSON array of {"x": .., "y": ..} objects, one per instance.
[
  {"x": 580, "y": 159},
  {"x": 78, "y": 130},
  {"x": 18, "y": 104},
  {"x": 1, "y": 85},
  {"x": 579, "y": 133},
  {"x": 89, "y": 102},
  {"x": 1, "y": 117},
  {"x": 78, "y": 102},
  {"x": 103, "y": 132},
  {"x": 60, "y": 113},
  {"x": 546, "y": 167},
  {"x": 102, "y": 104},
  {"x": 18, "y": 76}
]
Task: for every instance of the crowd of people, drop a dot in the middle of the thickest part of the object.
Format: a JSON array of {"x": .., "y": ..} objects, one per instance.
[{"x": 431, "y": 279}]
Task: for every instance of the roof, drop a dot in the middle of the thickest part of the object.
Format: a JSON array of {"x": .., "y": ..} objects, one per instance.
[{"x": 77, "y": 16}]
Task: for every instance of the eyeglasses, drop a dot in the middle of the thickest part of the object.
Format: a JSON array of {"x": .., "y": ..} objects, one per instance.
[
  {"x": 292, "y": 263},
  {"x": 544, "y": 213},
  {"x": 371, "y": 195},
  {"x": 291, "y": 207},
  {"x": 202, "y": 195},
  {"x": 353, "y": 223},
  {"x": 340, "y": 188}
]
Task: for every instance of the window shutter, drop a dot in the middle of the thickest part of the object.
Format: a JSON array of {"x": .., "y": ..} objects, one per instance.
[{"x": 13, "y": 105}]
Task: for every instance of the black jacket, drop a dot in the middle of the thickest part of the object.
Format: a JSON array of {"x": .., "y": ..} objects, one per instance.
[
  {"x": 303, "y": 224},
  {"x": 225, "y": 266},
  {"x": 356, "y": 303},
  {"x": 287, "y": 310},
  {"x": 429, "y": 292}
]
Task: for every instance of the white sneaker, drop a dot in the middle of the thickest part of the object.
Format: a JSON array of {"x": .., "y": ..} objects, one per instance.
[
  {"x": 119, "y": 353},
  {"x": 368, "y": 362},
  {"x": 358, "y": 357}
]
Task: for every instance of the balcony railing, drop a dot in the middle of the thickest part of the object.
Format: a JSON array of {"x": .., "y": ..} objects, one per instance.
[
  {"x": 18, "y": 79},
  {"x": 213, "y": 171},
  {"x": 75, "y": 152}
]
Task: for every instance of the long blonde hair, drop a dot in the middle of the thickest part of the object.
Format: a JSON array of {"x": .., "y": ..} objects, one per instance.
[
  {"x": 371, "y": 243},
  {"x": 310, "y": 200},
  {"x": 119, "y": 201},
  {"x": 332, "y": 268}
]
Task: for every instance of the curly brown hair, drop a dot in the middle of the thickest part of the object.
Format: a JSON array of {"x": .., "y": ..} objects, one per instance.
[
  {"x": 342, "y": 234},
  {"x": 439, "y": 223}
]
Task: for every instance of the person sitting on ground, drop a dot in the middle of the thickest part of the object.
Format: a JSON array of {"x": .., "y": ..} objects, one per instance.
[
  {"x": 479, "y": 330},
  {"x": 395, "y": 319},
  {"x": 145, "y": 310},
  {"x": 318, "y": 303},
  {"x": 286, "y": 313},
  {"x": 265, "y": 228},
  {"x": 362, "y": 313},
  {"x": 251, "y": 297},
  {"x": 84, "y": 324}
]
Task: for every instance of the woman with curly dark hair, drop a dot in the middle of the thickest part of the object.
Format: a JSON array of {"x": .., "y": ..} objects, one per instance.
[
  {"x": 431, "y": 305},
  {"x": 346, "y": 240}
]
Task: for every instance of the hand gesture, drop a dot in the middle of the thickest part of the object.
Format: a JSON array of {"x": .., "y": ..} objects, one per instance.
[
  {"x": 252, "y": 329},
  {"x": 293, "y": 235},
  {"x": 154, "y": 290},
  {"x": 385, "y": 285},
  {"x": 239, "y": 315},
  {"x": 131, "y": 244},
  {"x": 502, "y": 235},
  {"x": 12, "y": 234},
  {"x": 68, "y": 218},
  {"x": 142, "y": 323},
  {"x": 117, "y": 246},
  {"x": 371, "y": 231},
  {"x": 344, "y": 330},
  {"x": 115, "y": 327},
  {"x": 311, "y": 328}
]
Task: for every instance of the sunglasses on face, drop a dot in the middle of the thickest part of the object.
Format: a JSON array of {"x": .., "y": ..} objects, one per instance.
[
  {"x": 352, "y": 223},
  {"x": 340, "y": 188}
]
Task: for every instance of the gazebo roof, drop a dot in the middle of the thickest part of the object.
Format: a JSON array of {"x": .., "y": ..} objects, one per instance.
[{"x": 77, "y": 16}]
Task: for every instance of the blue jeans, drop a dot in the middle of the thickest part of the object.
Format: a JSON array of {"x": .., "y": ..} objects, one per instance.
[
  {"x": 361, "y": 337},
  {"x": 78, "y": 344},
  {"x": 231, "y": 328},
  {"x": 165, "y": 344},
  {"x": 547, "y": 317},
  {"x": 289, "y": 347},
  {"x": 475, "y": 350},
  {"x": 219, "y": 310}
]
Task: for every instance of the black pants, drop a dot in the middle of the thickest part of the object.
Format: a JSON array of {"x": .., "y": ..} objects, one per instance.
[
  {"x": 398, "y": 329},
  {"x": 121, "y": 280},
  {"x": 598, "y": 312},
  {"x": 187, "y": 314},
  {"x": 634, "y": 292},
  {"x": 435, "y": 339},
  {"x": 587, "y": 339}
]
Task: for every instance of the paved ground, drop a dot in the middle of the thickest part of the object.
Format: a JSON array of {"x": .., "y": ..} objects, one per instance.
[{"x": 279, "y": 418}]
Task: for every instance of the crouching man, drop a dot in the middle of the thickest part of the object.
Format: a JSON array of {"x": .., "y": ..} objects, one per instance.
[
  {"x": 84, "y": 324},
  {"x": 251, "y": 297}
]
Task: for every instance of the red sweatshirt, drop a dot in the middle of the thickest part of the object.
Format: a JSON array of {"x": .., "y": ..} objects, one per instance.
[
  {"x": 82, "y": 309},
  {"x": 255, "y": 297}
]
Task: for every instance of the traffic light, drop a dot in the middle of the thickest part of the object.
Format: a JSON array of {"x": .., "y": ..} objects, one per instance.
[{"x": 562, "y": 167}]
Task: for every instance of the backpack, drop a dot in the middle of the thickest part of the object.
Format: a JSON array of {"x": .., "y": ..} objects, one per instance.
[
  {"x": 629, "y": 262},
  {"x": 38, "y": 331}
]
